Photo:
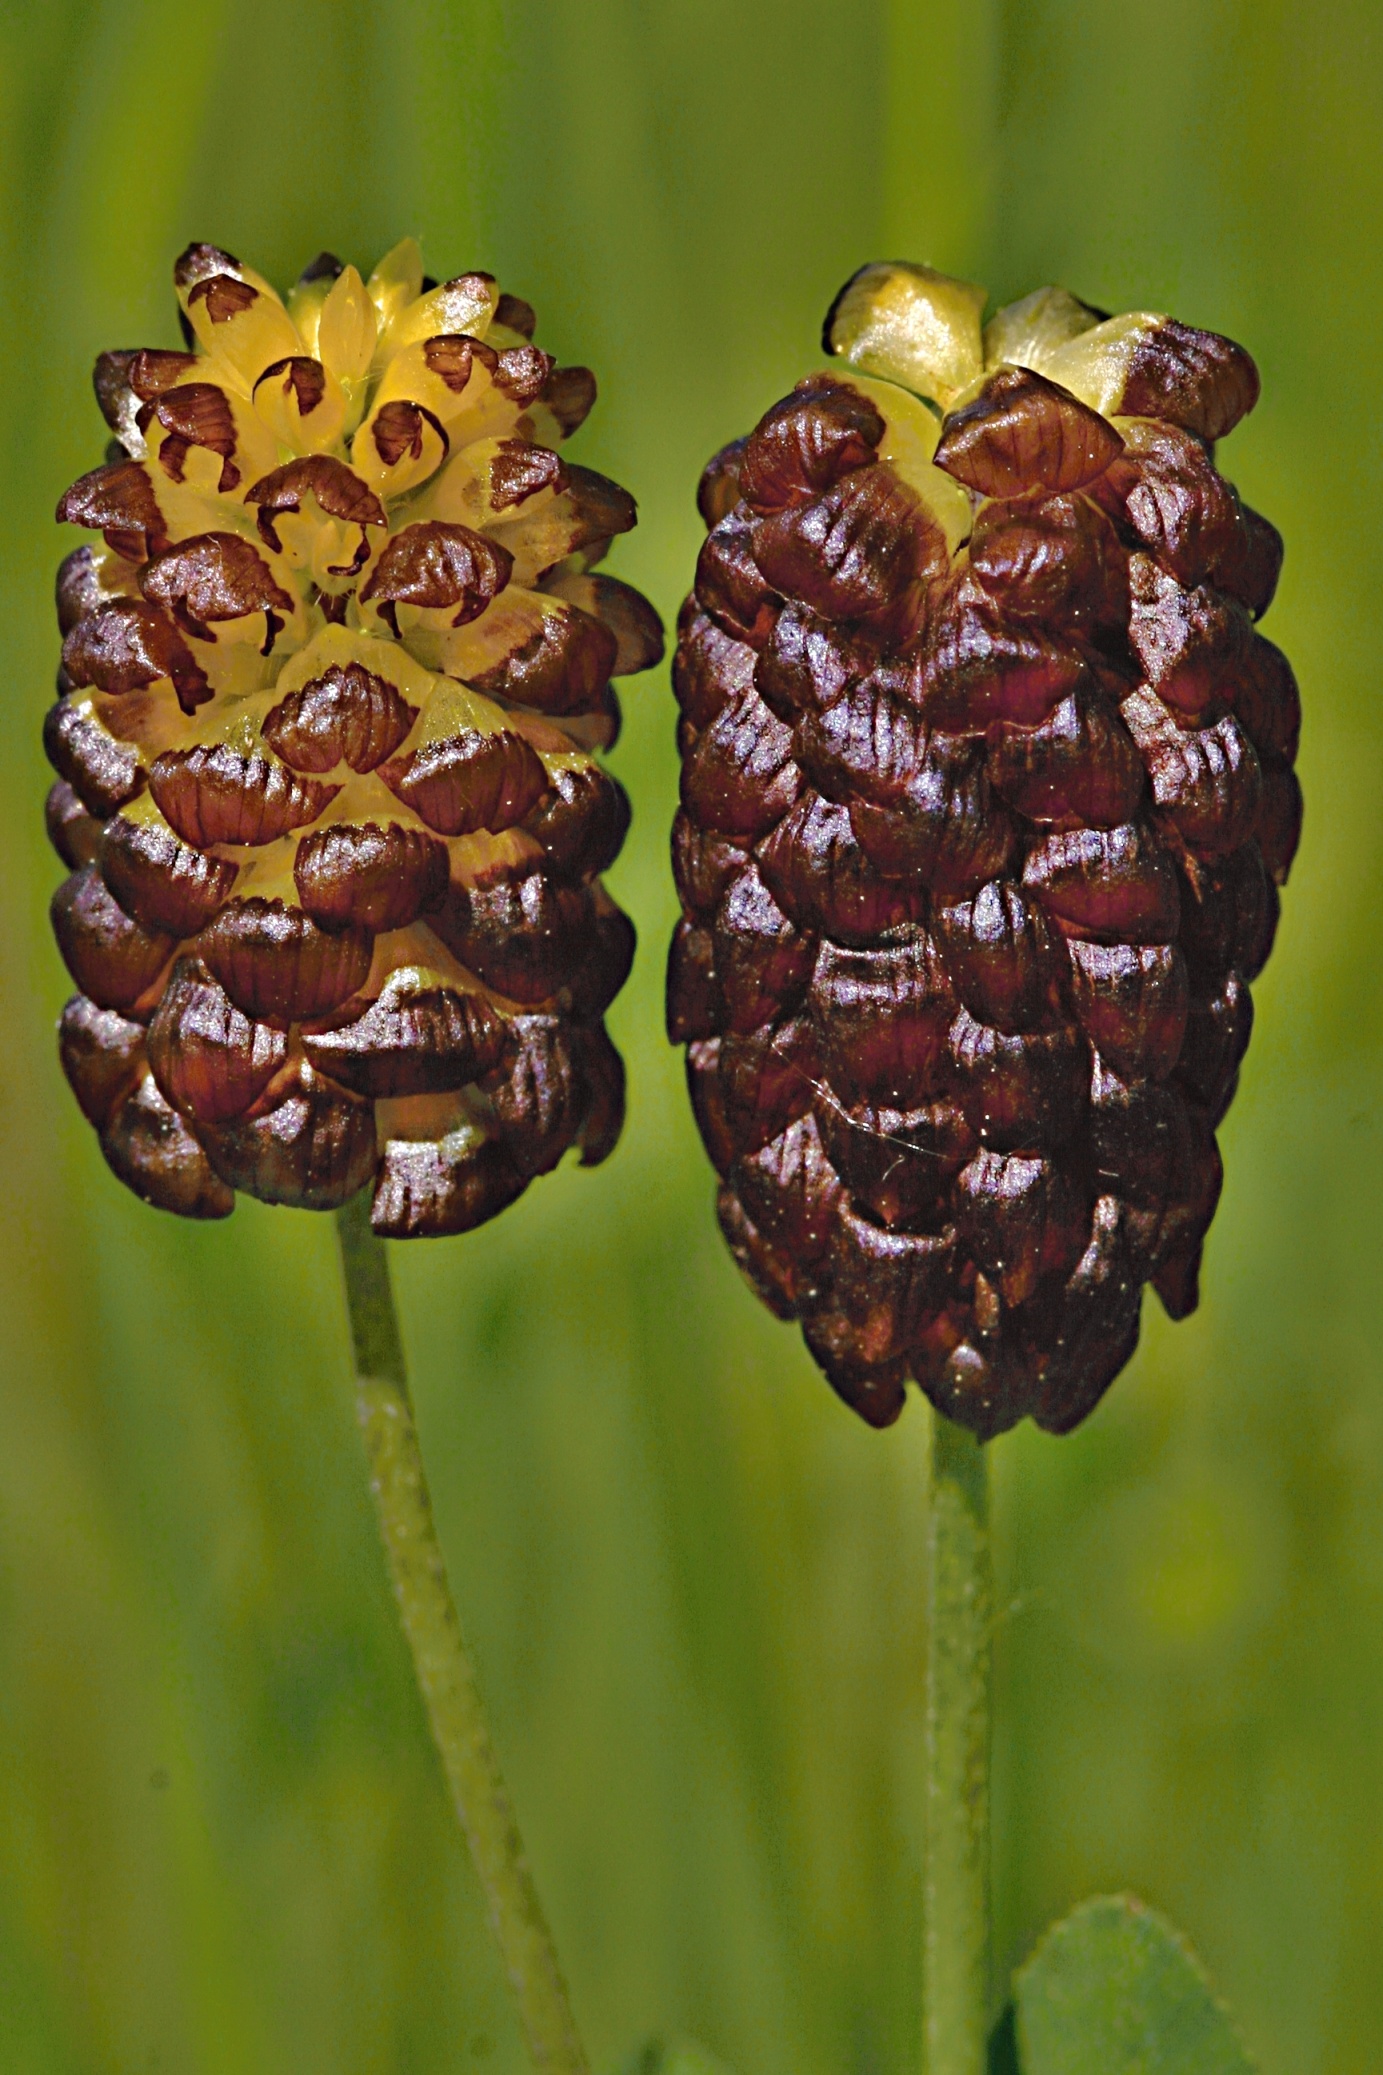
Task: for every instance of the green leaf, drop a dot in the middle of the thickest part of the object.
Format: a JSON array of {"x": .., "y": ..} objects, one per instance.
[
  {"x": 1114, "y": 1990},
  {"x": 679, "y": 2058}
]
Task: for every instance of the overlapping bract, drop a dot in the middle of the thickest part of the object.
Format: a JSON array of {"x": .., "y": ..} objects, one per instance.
[
  {"x": 987, "y": 792},
  {"x": 330, "y": 691}
]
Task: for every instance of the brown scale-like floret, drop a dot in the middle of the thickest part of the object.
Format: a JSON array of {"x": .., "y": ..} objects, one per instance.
[
  {"x": 987, "y": 793},
  {"x": 331, "y": 685}
]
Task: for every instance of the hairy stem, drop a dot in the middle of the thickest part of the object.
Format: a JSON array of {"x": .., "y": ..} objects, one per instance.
[
  {"x": 956, "y": 1864},
  {"x": 443, "y": 1668}
]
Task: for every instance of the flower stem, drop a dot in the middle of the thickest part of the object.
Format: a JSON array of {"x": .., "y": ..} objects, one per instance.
[
  {"x": 956, "y": 1861},
  {"x": 443, "y": 1668}
]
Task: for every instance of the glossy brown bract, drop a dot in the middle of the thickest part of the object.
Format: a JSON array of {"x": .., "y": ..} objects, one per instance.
[
  {"x": 329, "y": 687},
  {"x": 987, "y": 792}
]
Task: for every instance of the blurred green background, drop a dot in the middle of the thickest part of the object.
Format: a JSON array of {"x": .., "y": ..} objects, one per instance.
[{"x": 692, "y": 1579}]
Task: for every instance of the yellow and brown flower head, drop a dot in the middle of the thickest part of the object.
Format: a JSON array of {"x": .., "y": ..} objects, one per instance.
[
  {"x": 331, "y": 690},
  {"x": 987, "y": 793}
]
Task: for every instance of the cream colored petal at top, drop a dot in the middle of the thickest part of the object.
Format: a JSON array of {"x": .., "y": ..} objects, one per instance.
[{"x": 911, "y": 325}]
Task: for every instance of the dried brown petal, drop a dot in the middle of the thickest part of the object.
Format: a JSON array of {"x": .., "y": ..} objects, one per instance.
[
  {"x": 539, "y": 1094},
  {"x": 858, "y": 548},
  {"x": 1131, "y": 1000},
  {"x": 167, "y": 885},
  {"x": 1205, "y": 781},
  {"x": 516, "y": 315},
  {"x": 338, "y": 491},
  {"x": 104, "y": 772},
  {"x": 769, "y": 1274},
  {"x": 111, "y": 957},
  {"x": 1080, "y": 765},
  {"x": 875, "y": 1390},
  {"x": 520, "y": 470},
  {"x": 102, "y": 1055},
  {"x": 1001, "y": 956},
  {"x": 1053, "y": 563},
  {"x": 1141, "y": 1142},
  {"x": 1115, "y": 885},
  {"x": 946, "y": 827},
  {"x": 197, "y": 414},
  {"x": 1228, "y": 918},
  {"x": 216, "y": 794},
  {"x": 1168, "y": 496},
  {"x": 302, "y": 378},
  {"x": 278, "y": 965},
  {"x": 710, "y": 669},
  {"x": 78, "y": 587},
  {"x": 1277, "y": 828},
  {"x": 888, "y": 1283},
  {"x": 718, "y": 491},
  {"x": 416, "y": 1039},
  {"x": 474, "y": 779},
  {"x": 871, "y": 743},
  {"x": 1218, "y": 1027},
  {"x": 211, "y": 1061},
  {"x": 821, "y": 432},
  {"x": 703, "y": 864},
  {"x": 704, "y": 1089},
  {"x": 603, "y": 1071},
  {"x": 1196, "y": 379},
  {"x": 560, "y": 669},
  {"x": 437, "y": 566},
  {"x": 429, "y": 1188},
  {"x": 214, "y": 576},
  {"x": 225, "y": 297},
  {"x": 623, "y": 611},
  {"x": 730, "y": 586},
  {"x": 569, "y": 393},
  {"x": 1021, "y": 1091},
  {"x": 347, "y": 715},
  {"x": 126, "y": 646},
  {"x": 1023, "y": 434},
  {"x": 740, "y": 778},
  {"x": 1097, "y": 1329},
  {"x": 1268, "y": 702},
  {"x": 820, "y": 874},
  {"x": 73, "y": 833},
  {"x": 1023, "y": 1219},
  {"x": 152, "y": 371},
  {"x": 314, "y": 1149},
  {"x": 899, "y": 1164},
  {"x": 768, "y": 1077},
  {"x": 1250, "y": 570},
  {"x": 147, "y": 1144},
  {"x": 791, "y": 1191},
  {"x": 523, "y": 936},
  {"x": 762, "y": 960},
  {"x": 581, "y": 820},
  {"x": 981, "y": 670},
  {"x": 882, "y": 1016},
  {"x": 695, "y": 1006},
  {"x": 1189, "y": 643},
  {"x": 587, "y": 512},
  {"x": 399, "y": 428},
  {"x": 605, "y": 960},
  {"x": 119, "y": 501},
  {"x": 805, "y": 666},
  {"x": 377, "y": 878}
]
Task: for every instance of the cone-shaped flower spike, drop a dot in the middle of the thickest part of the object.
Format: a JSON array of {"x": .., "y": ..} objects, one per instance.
[
  {"x": 332, "y": 683},
  {"x": 987, "y": 792}
]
